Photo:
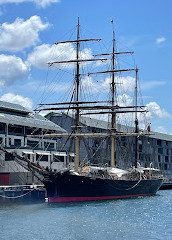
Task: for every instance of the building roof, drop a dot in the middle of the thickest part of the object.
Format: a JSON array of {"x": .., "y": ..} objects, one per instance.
[
  {"x": 161, "y": 136},
  {"x": 30, "y": 120},
  {"x": 36, "y": 121},
  {"x": 13, "y": 107},
  {"x": 101, "y": 124},
  {"x": 96, "y": 123}
]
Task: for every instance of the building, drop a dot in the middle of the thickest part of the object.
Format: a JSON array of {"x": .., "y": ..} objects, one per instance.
[
  {"x": 16, "y": 126},
  {"x": 154, "y": 150}
]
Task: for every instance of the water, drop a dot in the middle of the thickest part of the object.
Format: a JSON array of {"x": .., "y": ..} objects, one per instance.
[{"x": 133, "y": 219}]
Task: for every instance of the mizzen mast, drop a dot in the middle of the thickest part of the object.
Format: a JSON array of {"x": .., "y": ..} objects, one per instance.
[{"x": 136, "y": 122}]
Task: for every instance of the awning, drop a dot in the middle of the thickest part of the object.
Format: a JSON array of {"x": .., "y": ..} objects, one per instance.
[
  {"x": 72, "y": 154},
  {"x": 60, "y": 154},
  {"x": 43, "y": 153},
  {"x": 28, "y": 152}
]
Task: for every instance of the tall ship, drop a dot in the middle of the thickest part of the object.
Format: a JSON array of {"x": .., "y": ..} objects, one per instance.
[{"x": 85, "y": 181}]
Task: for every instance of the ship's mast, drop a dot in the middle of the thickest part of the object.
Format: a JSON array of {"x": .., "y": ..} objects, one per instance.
[
  {"x": 113, "y": 121},
  {"x": 136, "y": 122},
  {"x": 77, "y": 87},
  {"x": 77, "y": 77}
]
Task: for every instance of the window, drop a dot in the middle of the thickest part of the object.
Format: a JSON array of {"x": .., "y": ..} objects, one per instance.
[
  {"x": 159, "y": 158},
  {"x": 15, "y": 129},
  {"x": 165, "y": 166},
  {"x": 43, "y": 158},
  {"x": 166, "y": 159},
  {"x": 33, "y": 144},
  {"x": 159, "y": 142},
  {"x": 35, "y": 131},
  {"x": 2, "y": 127},
  {"x": 58, "y": 158},
  {"x": 160, "y": 150},
  {"x": 9, "y": 157},
  {"x": 17, "y": 142},
  {"x": 49, "y": 145},
  {"x": 1, "y": 140}
]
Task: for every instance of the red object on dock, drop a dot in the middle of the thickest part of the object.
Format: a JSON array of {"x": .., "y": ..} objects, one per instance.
[{"x": 4, "y": 178}]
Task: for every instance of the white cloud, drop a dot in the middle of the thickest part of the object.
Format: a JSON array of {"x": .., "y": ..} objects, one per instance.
[
  {"x": 155, "y": 111},
  {"x": 124, "y": 84},
  {"x": 12, "y": 68},
  {"x": 41, "y": 3},
  {"x": 49, "y": 53},
  {"x": 21, "y": 34},
  {"x": 160, "y": 40},
  {"x": 124, "y": 100},
  {"x": 18, "y": 99}
]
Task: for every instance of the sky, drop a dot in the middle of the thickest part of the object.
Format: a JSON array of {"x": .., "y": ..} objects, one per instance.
[{"x": 28, "y": 29}]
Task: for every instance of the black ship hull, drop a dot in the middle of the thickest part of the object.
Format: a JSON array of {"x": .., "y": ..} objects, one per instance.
[{"x": 72, "y": 188}]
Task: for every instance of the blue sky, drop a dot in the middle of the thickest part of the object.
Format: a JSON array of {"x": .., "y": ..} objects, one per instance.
[{"x": 29, "y": 27}]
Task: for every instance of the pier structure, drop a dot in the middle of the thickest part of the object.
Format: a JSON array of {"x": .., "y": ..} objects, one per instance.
[{"x": 17, "y": 124}]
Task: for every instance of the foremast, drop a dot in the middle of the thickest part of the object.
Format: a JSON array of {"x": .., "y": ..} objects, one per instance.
[
  {"x": 77, "y": 88},
  {"x": 77, "y": 141}
]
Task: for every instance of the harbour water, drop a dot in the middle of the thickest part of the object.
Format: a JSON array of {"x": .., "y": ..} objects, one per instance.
[{"x": 133, "y": 219}]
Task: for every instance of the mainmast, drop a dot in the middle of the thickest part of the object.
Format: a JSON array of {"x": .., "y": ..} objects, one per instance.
[{"x": 77, "y": 77}]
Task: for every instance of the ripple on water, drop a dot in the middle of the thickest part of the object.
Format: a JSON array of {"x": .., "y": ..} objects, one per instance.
[{"x": 139, "y": 218}]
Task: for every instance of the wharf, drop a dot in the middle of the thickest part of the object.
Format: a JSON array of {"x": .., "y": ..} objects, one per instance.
[{"x": 22, "y": 193}]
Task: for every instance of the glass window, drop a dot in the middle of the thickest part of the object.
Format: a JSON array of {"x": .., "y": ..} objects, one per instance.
[
  {"x": 165, "y": 166},
  {"x": 48, "y": 145},
  {"x": 33, "y": 144},
  {"x": 2, "y": 127},
  {"x": 9, "y": 157},
  {"x": 15, "y": 129},
  {"x": 43, "y": 158},
  {"x": 1, "y": 140},
  {"x": 58, "y": 158},
  {"x": 166, "y": 159},
  {"x": 17, "y": 142},
  {"x": 160, "y": 150}
]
